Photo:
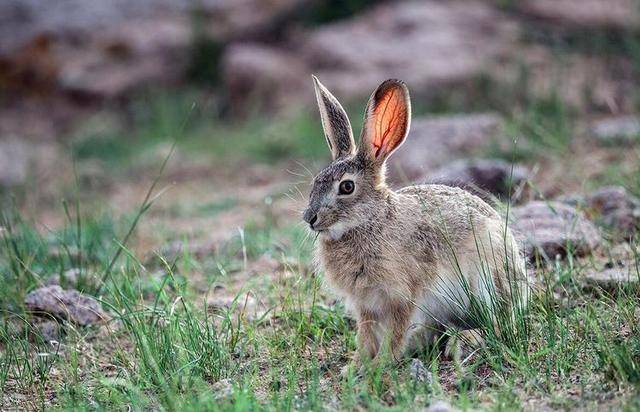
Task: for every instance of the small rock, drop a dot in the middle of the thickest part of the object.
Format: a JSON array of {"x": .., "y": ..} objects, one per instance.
[
  {"x": 70, "y": 305},
  {"x": 440, "y": 406},
  {"x": 49, "y": 330},
  {"x": 222, "y": 390},
  {"x": 15, "y": 157},
  {"x": 550, "y": 229},
  {"x": 590, "y": 14},
  {"x": 495, "y": 176},
  {"x": 245, "y": 304},
  {"x": 610, "y": 279},
  {"x": 617, "y": 130},
  {"x": 616, "y": 208},
  {"x": 622, "y": 252},
  {"x": 419, "y": 372},
  {"x": 434, "y": 141}
]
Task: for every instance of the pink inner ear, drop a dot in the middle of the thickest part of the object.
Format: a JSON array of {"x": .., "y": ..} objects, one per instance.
[{"x": 389, "y": 116}]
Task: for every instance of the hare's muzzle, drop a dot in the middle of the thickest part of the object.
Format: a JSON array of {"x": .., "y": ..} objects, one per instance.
[{"x": 310, "y": 216}]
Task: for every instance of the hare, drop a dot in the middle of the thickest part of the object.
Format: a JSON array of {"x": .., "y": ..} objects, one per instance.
[{"x": 409, "y": 263}]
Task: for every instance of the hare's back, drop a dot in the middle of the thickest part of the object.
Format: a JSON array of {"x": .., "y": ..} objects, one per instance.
[
  {"x": 451, "y": 215},
  {"x": 449, "y": 202}
]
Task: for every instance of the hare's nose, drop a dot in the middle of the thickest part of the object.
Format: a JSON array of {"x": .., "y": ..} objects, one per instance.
[{"x": 310, "y": 217}]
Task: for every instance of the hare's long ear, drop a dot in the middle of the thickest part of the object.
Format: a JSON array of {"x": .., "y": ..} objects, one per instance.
[
  {"x": 386, "y": 120},
  {"x": 335, "y": 122}
]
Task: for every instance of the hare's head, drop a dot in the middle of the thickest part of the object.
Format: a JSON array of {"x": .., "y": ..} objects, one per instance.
[{"x": 351, "y": 190}]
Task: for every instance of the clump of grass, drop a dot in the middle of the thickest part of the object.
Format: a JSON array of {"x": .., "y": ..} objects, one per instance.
[
  {"x": 545, "y": 123},
  {"x": 28, "y": 258},
  {"x": 623, "y": 174},
  {"x": 171, "y": 341}
]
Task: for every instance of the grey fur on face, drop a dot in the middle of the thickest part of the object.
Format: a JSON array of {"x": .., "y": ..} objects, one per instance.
[{"x": 329, "y": 207}]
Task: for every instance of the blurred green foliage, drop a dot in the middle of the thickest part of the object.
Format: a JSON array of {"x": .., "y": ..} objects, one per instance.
[
  {"x": 330, "y": 10},
  {"x": 205, "y": 55}
]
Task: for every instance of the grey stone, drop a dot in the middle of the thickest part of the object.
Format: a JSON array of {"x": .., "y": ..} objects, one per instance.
[
  {"x": 49, "y": 330},
  {"x": 616, "y": 130},
  {"x": 431, "y": 45},
  {"x": 440, "y": 406},
  {"x": 126, "y": 58},
  {"x": 15, "y": 157},
  {"x": 223, "y": 389},
  {"x": 419, "y": 373},
  {"x": 610, "y": 279},
  {"x": 434, "y": 141},
  {"x": 37, "y": 329},
  {"x": 495, "y": 176},
  {"x": 70, "y": 305},
  {"x": 615, "y": 208},
  {"x": 550, "y": 229},
  {"x": 21, "y": 20},
  {"x": 592, "y": 14}
]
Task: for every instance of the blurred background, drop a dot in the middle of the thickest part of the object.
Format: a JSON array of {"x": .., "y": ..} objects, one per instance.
[{"x": 93, "y": 95}]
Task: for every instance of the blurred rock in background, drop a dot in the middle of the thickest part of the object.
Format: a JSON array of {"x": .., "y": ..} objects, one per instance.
[
  {"x": 110, "y": 48},
  {"x": 611, "y": 14},
  {"x": 429, "y": 44},
  {"x": 263, "y": 52}
]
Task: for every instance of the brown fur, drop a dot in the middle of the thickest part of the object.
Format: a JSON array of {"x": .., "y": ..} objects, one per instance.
[{"x": 392, "y": 255}]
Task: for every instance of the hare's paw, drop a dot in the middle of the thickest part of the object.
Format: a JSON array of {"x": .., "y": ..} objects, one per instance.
[
  {"x": 463, "y": 344},
  {"x": 353, "y": 367}
]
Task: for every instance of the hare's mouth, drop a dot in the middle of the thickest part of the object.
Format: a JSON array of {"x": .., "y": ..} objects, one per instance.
[
  {"x": 321, "y": 226},
  {"x": 320, "y": 229}
]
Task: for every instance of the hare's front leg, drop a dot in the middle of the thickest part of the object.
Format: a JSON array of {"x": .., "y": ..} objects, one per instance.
[
  {"x": 399, "y": 321},
  {"x": 367, "y": 339}
]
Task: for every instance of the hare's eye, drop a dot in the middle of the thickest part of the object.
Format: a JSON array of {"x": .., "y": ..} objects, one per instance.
[{"x": 346, "y": 187}]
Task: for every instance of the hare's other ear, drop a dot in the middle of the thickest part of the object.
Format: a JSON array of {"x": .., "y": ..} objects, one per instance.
[
  {"x": 335, "y": 122},
  {"x": 386, "y": 120}
]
